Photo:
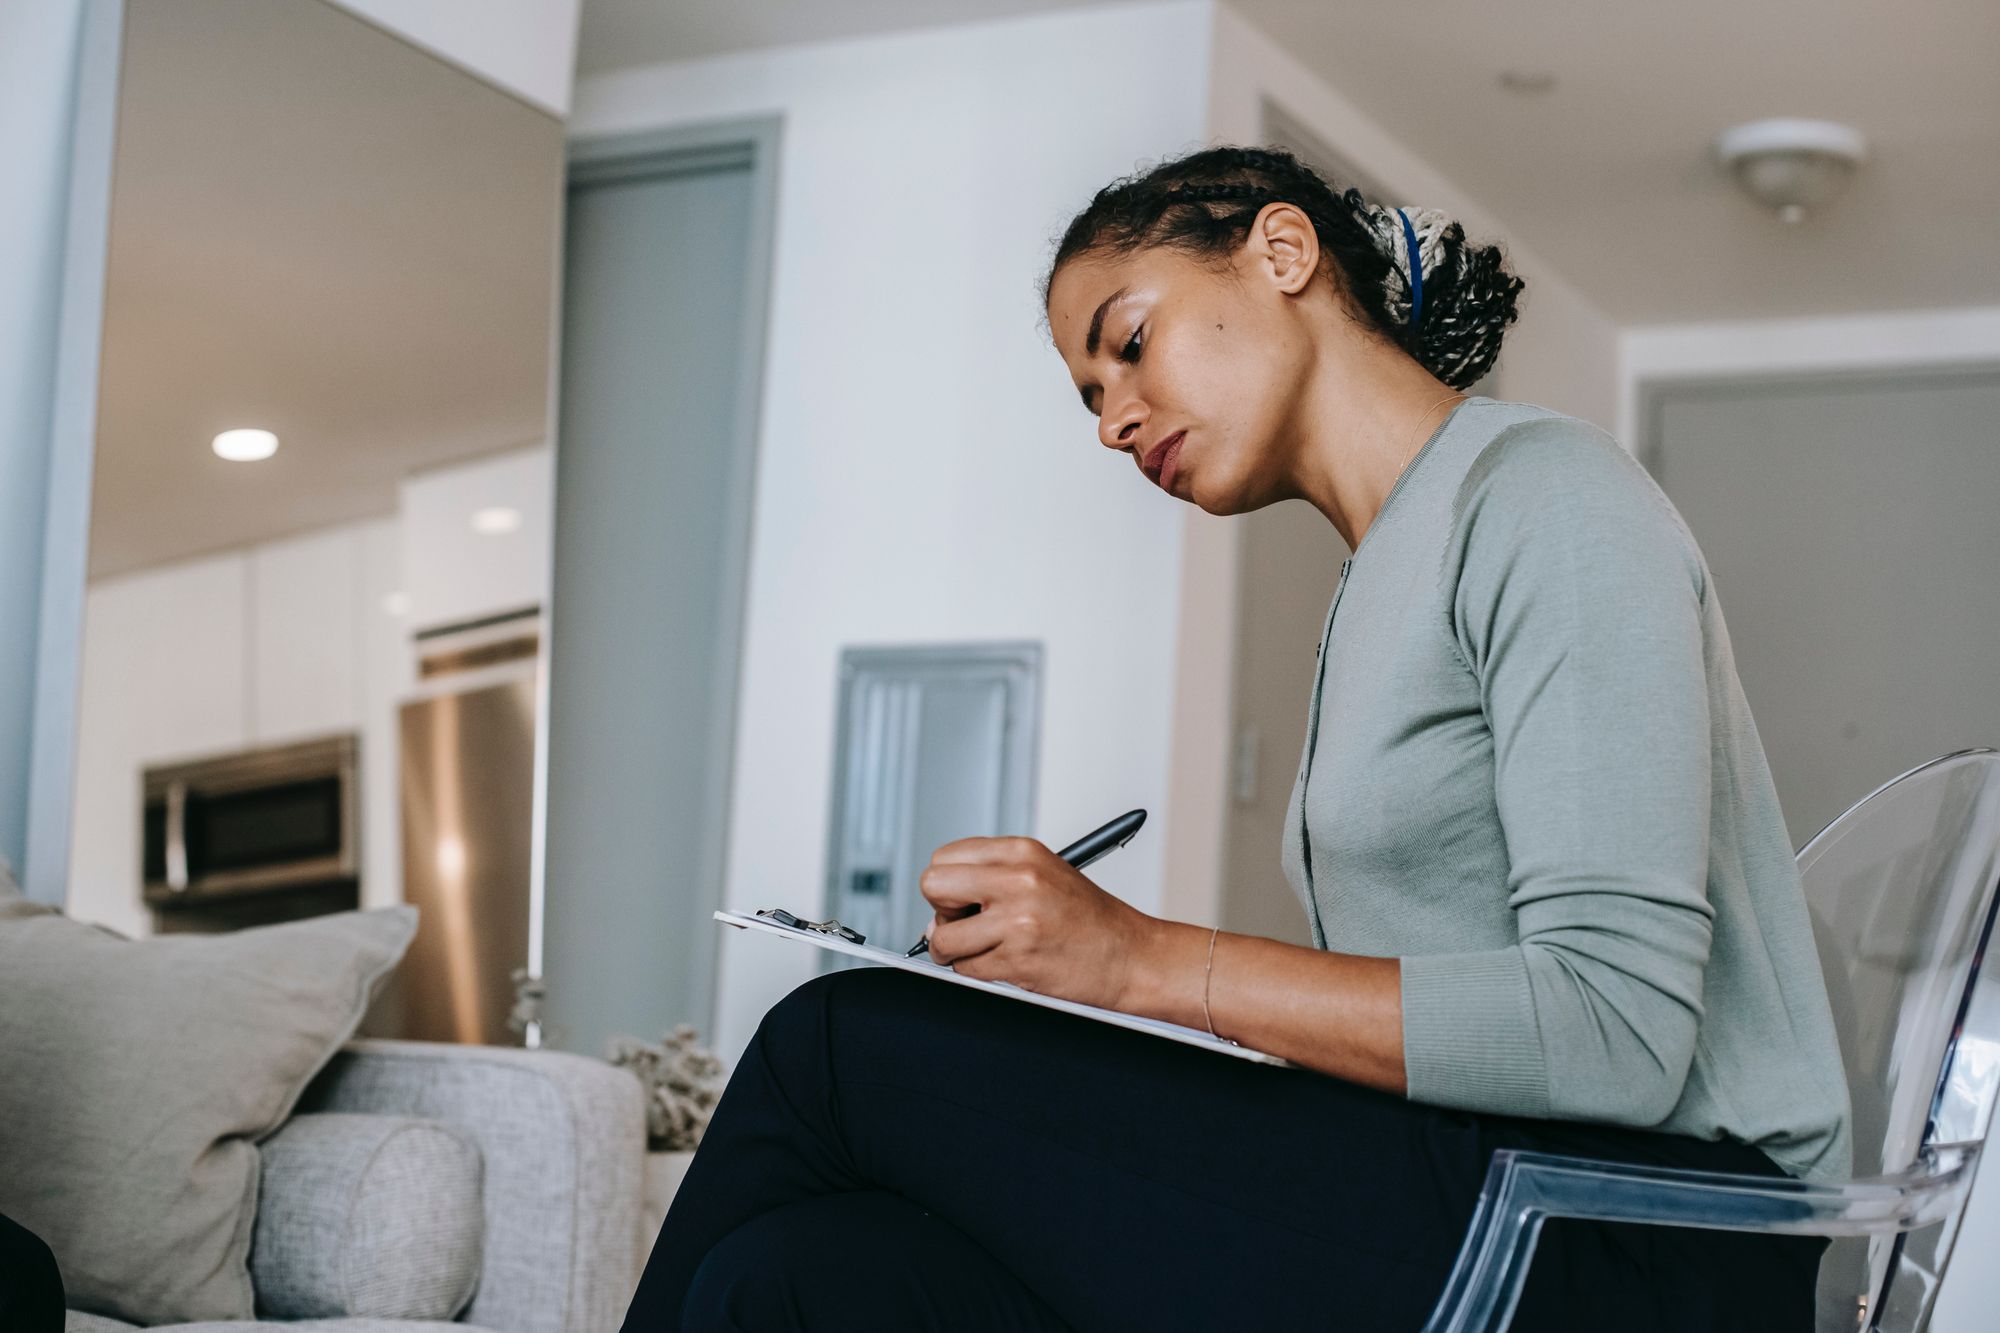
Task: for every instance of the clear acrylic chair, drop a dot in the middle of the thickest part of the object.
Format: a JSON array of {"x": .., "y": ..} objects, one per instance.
[{"x": 1902, "y": 893}]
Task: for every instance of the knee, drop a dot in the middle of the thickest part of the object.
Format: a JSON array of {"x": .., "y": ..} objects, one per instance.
[
  {"x": 717, "y": 1294},
  {"x": 803, "y": 1012},
  {"x": 722, "y": 1284},
  {"x": 739, "y": 1288}
]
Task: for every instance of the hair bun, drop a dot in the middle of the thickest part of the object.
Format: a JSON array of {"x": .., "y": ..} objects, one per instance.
[
  {"x": 1469, "y": 297},
  {"x": 1387, "y": 225}
]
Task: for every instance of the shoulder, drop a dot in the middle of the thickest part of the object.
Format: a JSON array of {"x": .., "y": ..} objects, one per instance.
[
  {"x": 1554, "y": 456},
  {"x": 1559, "y": 487}
]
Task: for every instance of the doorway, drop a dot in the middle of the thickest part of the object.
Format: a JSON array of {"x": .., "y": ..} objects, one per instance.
[
  {"x": 666, "y": 257},
  {"x": 1847, "y": 521}
]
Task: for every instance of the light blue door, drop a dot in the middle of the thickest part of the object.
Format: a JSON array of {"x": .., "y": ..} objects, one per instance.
[
  {"x": 651, "y": 506},
  {"x": 1848, "y": 522}
]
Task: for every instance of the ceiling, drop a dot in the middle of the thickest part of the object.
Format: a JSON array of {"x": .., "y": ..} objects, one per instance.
[
  {"x": 620, "y": 33},
  {"x": 319, "y": 230},
  {"x": 1606, "y": 175}
]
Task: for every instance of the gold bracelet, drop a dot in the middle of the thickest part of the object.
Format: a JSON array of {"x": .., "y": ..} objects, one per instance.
[{"x": 1206, "y": 973}]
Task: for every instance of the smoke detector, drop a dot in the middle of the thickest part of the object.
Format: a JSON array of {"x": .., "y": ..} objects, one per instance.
[{"x": 1791, "y": 167}]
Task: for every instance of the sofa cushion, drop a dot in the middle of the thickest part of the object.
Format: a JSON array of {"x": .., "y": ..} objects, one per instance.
[
  {"x": 364, "y": 1215},
  {"x": 79, "y": 1321},
  {"x": 90, "y": 1323},
  {"x": 135, "y": 1077}
]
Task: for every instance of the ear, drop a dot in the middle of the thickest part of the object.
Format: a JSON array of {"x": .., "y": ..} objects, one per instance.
[{"x": 1284, "y": 247}]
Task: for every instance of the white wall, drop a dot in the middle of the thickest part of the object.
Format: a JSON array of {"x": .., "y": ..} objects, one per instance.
[
  {"x": 452, "y": 573},
  {"x": 527, "y": 47},
  {"x": 925, "y": 472},
  {"x": 165, "y": 664}
]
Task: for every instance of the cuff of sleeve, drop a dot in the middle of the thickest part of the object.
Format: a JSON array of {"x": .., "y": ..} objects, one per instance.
[{"x": 1470, "y": 1039}]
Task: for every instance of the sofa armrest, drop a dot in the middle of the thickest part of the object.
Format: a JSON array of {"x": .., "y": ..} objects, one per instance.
[{"x": 564, "y": 1142}]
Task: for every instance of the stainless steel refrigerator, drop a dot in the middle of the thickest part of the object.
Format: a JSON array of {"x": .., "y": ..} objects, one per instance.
[{"x": 467, "y": 767}]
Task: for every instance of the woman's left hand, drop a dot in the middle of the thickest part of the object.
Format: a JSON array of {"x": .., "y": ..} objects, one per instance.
[{"x": 1041, "y": 924}]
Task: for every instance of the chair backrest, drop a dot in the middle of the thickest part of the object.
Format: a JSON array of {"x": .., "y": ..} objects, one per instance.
[{"x": 1902, "y": 894}]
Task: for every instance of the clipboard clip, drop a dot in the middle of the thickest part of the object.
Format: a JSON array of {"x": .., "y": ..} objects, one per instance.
[{"x": 830, "y": 926}]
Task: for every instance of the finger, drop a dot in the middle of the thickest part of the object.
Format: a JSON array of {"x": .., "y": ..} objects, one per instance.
[
  {"x": 966, "y": 937},
  {"x": 986, "y": 850},
  {"x": 956, "y": 888},
  {"x": 986, "y": 966}
]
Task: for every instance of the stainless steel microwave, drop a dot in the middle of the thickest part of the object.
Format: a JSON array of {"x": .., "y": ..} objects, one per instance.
[{"x": 279, "y": 817}]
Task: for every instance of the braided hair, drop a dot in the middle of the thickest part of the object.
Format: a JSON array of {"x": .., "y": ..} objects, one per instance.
[{"x": 1462, "y": 296}]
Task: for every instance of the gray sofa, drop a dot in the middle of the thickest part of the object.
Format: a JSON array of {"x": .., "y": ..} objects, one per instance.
[{"x": 557, "y": 1146}]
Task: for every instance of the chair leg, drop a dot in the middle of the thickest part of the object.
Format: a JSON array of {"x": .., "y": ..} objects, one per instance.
[{"x": 1492, "y": 1266}]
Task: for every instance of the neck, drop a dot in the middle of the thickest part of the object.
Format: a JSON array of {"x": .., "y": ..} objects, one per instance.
[{"x": 1363, "y": 416}]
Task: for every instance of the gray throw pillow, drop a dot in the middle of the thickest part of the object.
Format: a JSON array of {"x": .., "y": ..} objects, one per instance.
[
  {"x": 136, "y": 1077},
  {"x": 368, "y": 1216}
]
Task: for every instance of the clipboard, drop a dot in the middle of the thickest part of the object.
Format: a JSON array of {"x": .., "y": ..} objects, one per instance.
[{"x": 926, "y": 966}]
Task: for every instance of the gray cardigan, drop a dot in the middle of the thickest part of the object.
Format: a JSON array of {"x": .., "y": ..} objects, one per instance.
[{"x": 1530, "y": 773}]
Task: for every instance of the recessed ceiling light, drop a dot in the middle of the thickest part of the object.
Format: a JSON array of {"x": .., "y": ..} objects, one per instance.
[
  {"x": 497, "y": 520},
  {"x": 396, "y": 604},
  {"x": 245, "y": 446},
  {"x": 1527, "y": 80}
]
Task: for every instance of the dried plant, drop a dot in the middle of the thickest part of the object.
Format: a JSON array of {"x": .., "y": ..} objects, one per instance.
[{"x": 682, "y": 1080}]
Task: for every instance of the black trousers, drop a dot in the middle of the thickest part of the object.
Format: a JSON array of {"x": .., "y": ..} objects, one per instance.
[
  {"x": 31, "y": 1290},
  {"x": 894, "y": 1153}
]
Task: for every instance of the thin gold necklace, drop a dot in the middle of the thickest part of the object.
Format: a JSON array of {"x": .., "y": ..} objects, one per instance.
[
  {"x": 1417, "y": 447},
  {"x": 1413, "y": 454}
]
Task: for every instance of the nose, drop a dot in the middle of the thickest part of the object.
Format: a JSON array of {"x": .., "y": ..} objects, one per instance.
[{"x": 1121, "y": 422}]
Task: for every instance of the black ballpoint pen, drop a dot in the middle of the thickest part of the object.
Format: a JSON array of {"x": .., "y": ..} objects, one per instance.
[{"x": 1079, "y": 854}]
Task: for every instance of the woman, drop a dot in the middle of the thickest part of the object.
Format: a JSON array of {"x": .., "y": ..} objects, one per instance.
[{"x": 1553, "y": 903}]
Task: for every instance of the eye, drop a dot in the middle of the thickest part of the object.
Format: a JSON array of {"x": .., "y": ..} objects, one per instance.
[{"x": 1130, "y": 352}]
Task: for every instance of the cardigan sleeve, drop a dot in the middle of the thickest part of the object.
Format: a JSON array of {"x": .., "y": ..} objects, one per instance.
[{"x": 1577, "y": 604}]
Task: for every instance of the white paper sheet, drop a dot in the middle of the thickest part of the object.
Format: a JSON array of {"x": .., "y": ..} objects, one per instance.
[{"x": 923, "y": 965}]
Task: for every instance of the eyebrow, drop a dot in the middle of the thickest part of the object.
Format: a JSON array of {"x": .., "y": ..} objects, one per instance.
[
  {"x": 1097, "y": 320},
  {"x": 1097, "y": 335}
]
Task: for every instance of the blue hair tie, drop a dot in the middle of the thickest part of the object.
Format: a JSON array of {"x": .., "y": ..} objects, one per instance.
[{"x": 1416, "y": 270}]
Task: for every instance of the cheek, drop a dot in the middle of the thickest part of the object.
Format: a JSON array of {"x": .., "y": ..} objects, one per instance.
[
  {"x": 1239, "y": 404},
  {"x": 1189, "y": 373},
  {"x": 1215, "y": 383}
]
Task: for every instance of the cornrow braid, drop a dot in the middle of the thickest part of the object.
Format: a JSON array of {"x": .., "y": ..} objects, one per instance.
[
  {"x": 1204, "y": 194},
  {"x": 1205, "y": 202}
]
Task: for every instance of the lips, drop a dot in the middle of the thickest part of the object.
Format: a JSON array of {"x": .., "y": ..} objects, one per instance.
[
  {"x": 1161, "y": 460},
  {"x": 1170, "y": 466}
]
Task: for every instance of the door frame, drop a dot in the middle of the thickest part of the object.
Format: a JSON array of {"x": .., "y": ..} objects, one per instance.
[
  {"x": 72, "y": 455},
  {"x": 1653, "y": 393},
  {"x": 593, "y": 159}
]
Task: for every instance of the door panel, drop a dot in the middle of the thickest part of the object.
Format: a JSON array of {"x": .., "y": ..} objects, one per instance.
[
  {"x": 642, "y": 636},
  {"x": 1849, "y": 527}
]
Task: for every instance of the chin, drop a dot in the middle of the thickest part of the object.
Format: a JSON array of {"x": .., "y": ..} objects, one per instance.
[
  {"x": 1224, "y": 486},
  {"x": 1235, "y": 497},
  {"x": 1221, "y": 506},
  {"x": 1218, "y": 495}
]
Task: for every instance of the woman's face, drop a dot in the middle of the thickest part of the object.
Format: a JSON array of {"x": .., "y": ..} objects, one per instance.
[{"x": 1193, "y": 368}]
